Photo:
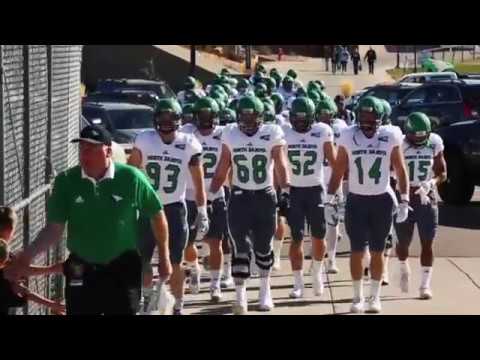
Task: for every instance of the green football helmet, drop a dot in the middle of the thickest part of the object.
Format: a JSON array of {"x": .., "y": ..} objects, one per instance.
[
  {"x": 167, "y": 115},
  {"x": 261, "y": 90},
  {"x": 278, "y": 101},
  {"x": 326, "y": 110},
  {"x": 387, "y": 111},
  {"x": 370, "y": 113},
  {"x": 302, "y": 114},
  {"x": 206, "y": 113},
  {"x": 417, "y": 129},
  {"x": 190, "y": 83},
  {"x": 292, "y": 73},
  {"x": 269, "y": 112},
  {"x": 287, "y": 83},
  {"x": 187, "y": 114},
  {"x": 250, "y": 114},
  {"x": 227, "y": 116}
]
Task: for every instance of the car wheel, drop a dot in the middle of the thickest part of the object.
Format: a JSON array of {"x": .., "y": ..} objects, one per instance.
[{"x": 458, "y": 189}]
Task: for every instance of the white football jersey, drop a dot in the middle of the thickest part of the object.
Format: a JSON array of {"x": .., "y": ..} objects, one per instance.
[
  {"x": 419, "y": 160},
  {"x": 369, "y": 159},
  {"x": 305, "y": 154},
  {"x": 338, "y": 125},
  {"x": 166, "y": 165},
  {"x": 212, "y": 149},
  {"x": 281, "y": 120},
  {"x": 190, "y": 192},
  {"x": 252, "y": 165}
]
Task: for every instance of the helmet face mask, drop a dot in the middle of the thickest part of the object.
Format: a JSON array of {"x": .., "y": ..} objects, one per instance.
[
  {"x": 249, "y": 122},
  {"x": 417, "y": 139},
  {"x": 369, "y": 123},
  {"x": 167, "y": 122},
  {"x": 325, "y": 116},
  {"x": 205, "y": 119},
  {"x": 301, "y": 122}
]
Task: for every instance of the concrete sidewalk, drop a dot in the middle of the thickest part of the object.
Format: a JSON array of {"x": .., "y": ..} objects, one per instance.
[
  {"x": 314, "y": 69},
  {"x": 455, "y": 288}
]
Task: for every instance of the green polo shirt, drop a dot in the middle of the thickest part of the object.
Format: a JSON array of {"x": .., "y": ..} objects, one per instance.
[{"x": 102, "y": 217}]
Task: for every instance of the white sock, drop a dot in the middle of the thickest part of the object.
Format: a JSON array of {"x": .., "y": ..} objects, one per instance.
[
  {"x": 332, "y": 239},
  {"x": 298, "y": 278},
  {"x": 241, "y": 292},
  {"x": 265, "y": 287},
  {"x": 317, "y": 266},
  {"x": 227, "y": 265},
  {"x": 426, "y": 277},
  {"x": 375, "y": 288},
  {"x": 404, "y": 267},
  {"x": 178, "y": 304},
  {"x": 277, "y": 248},
  {"x": 358, "y": 289},
  {"x": 215, "y": 279}
]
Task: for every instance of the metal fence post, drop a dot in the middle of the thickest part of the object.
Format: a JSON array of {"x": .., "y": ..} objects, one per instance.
[
  {"x": 2, "y": 131},
  {"x": 26, "y": 146}
]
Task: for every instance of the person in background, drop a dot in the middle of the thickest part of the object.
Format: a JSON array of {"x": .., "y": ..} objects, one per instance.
[{"x": 356, "y": 60}]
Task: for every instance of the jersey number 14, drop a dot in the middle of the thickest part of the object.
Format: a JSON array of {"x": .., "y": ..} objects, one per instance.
[{"x": 374, "y": 172}]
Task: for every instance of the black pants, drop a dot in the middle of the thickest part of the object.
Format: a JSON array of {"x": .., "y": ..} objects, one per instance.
[
  {"x": 112, "y": 289},
  {"x": 252, "y": 219},
  {"x": 355, "y": 67},
  {"x": 371, "y": 67},
  {"x": 344, "y": 67}
]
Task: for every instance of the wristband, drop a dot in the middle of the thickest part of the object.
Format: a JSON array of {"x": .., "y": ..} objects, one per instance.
[{"x": 405, "y": 198}]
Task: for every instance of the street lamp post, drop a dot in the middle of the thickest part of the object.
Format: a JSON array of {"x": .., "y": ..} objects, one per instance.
[
  {"x": 248, "y": 57},
  {"x": 193, "y": 60},
  {"x": 415, "y": 58}
]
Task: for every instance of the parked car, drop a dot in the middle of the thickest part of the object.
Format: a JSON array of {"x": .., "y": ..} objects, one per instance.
[
  {"x": 444, "y": 102},
  {"x": 142, "y": 97},
  {"x": 393, "y": 93},
  {"x": 161, "y": 88},
  {"x": 352, "y": 101},
  {"x": 124, "y": 121},
  {"x": 428, "y": 77},
  {"x": 462, "y": 153}
]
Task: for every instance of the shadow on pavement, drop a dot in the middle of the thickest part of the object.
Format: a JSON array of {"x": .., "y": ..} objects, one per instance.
[{"x": 465, "y": 217}]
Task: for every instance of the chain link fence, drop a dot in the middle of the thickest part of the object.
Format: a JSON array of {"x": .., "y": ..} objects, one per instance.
[{"x": 39, "y": 115}]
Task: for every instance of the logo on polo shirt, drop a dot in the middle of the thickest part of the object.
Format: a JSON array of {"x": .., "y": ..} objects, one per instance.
[
  {"x": 180, "y": 146},
  {"x": 117, "y": 198},
  {"x": 79, "y": 200}
]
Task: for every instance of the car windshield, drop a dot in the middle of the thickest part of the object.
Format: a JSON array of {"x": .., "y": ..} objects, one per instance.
[
  {"x": 162, "y": 90},
  {"x": 131, "y": 119},
  {"x": 392, "y": 95}
]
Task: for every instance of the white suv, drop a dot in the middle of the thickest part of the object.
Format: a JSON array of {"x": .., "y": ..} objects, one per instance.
[{"x": 428, "y": 77}]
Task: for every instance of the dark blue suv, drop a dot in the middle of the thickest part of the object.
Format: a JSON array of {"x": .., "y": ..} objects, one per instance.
[{"x": 445, "y": 103}]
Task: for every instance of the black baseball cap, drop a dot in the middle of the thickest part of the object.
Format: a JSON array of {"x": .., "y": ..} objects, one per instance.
[{"x": 95, "y": 135}]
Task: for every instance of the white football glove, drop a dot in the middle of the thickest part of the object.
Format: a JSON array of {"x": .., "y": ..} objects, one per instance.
[
  {"x": 201, "y": 223},
  {"x": 423, "y": 191},
  {"x": 331, "y": 211},
  {"x": 402, "y": 212}
]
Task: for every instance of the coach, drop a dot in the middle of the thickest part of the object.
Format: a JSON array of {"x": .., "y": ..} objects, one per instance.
[{"x": 100, "y": 201}]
